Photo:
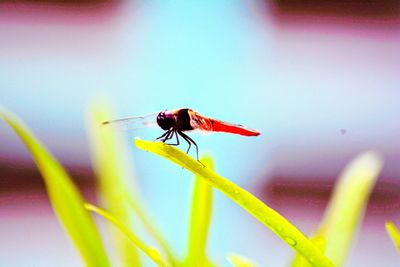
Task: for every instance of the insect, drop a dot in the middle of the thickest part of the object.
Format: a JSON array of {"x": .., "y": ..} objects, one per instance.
[{"x": 177, "y": 122}]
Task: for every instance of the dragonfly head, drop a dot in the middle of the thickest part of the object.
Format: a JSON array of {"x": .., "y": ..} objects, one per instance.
[{"x": 166, "y": 120}]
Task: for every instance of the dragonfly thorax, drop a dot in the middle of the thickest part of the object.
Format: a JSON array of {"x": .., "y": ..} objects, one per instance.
[{"x": 166, "y": 120}]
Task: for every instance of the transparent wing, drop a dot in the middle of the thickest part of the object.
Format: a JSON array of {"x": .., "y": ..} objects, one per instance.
[{"x": 133, "y": 123}]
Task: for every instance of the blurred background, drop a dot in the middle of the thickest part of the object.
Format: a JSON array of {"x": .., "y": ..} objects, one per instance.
[{"x": 319, "y": 78}]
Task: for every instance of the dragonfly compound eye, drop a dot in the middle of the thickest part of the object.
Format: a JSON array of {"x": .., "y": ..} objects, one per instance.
[{"x": 166, "y": 120}]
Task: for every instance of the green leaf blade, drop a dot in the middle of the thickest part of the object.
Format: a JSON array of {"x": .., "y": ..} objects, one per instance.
[
  {"x": 269, "y": 217},
  {"x": 115, "y": 176},
  {"x": 151, "y": 252},
  {"x": 239, "y": 261},
  {"x": 394, "y": 234},
  {"x": 65, "y": 198},
  {"x": 300, "y": 261},
  {"x": 347, "y": 206},
  {"x": 118, "y": 188},
  {"x": 200, "y": 219}
]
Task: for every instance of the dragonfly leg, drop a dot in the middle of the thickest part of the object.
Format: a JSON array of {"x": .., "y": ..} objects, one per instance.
[
  {"x": 177, "y": 139},
  {"x": 169, "y": 136},
  {"x": 183, "y": 136},
  {"x": 190, "y": 140},
  {"x": 164, "y": 134}
]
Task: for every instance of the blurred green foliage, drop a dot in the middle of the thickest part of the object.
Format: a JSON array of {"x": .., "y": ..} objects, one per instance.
[{"x": 329, "y": 245}]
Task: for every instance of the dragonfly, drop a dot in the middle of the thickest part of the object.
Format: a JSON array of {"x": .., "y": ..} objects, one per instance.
[{"x": 179, "y": 121}]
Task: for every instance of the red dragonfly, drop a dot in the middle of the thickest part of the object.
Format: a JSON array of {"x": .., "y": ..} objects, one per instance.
[{"x": 176, "y": 122}]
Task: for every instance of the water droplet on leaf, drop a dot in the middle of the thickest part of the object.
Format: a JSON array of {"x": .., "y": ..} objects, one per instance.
[{"x": 290, "y": 241}]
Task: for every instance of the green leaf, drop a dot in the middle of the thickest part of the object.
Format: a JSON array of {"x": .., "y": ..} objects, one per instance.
[
  {"x": 346, "y": 208},
  {"x": 153, "y": 231},
  {"x": 239, "y": 261},
  {"x": 117, "y": 182},
  {"x": 269, "y": 217},
  {"x": 153, "y": 253},
  {"x": 300, "y": 261},
  {"x": 115, "y": 176},
  {"x": 394, "y": 233},
  {"x": 200, "y": 219},
  {"x": 64, "y": 196}
]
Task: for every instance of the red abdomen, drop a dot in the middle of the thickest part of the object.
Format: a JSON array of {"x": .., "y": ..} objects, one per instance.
[{"x": 219, "y": 126}]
